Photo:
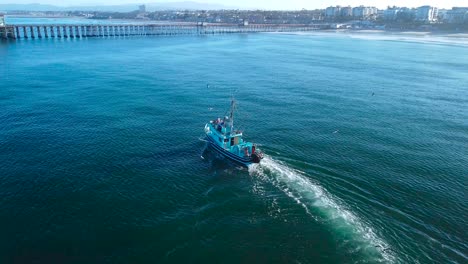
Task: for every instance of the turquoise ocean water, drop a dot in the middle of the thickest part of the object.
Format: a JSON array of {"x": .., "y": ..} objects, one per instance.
[{"x": 366, "y": 143}]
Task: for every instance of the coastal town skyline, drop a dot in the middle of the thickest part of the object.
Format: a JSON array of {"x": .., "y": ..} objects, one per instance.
[{"x": 260, "y": 4}]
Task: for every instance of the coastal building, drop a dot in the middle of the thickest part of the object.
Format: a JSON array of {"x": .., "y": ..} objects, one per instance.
[
  {"x": 457, "y": 15},
  {"x": 358, "y": 11},
  {"x": 364, "y": 12},
  {"x": 391, "y": 13},
  {"x": 442, "y": 14},
  {"x": 2, "y": 20},
  {"x": 346, "y": 11},
  {"x": 426, "y": 13},
  {"x": 333, "y": 11}
]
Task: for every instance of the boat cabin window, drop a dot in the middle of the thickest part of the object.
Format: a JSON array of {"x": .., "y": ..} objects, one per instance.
[
  {"x": 235, "y": 141},
  {"x": 226, "y": 140}
]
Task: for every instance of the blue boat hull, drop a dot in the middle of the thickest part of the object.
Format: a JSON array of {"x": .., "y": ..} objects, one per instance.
[{"x": 229, "y": 155}]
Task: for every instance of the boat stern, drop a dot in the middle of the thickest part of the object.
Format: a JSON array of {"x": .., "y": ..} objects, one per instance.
[{"x": 257, "y": 157}]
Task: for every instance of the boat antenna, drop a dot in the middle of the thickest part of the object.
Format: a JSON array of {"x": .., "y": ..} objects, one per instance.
[{"x": 231, "y": 116}]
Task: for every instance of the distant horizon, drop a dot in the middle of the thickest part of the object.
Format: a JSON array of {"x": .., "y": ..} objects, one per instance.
[{"x": 244, "y": 4}]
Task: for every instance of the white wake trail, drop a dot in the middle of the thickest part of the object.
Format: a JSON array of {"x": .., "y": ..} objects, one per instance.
[{"x": 322, "y": 206}]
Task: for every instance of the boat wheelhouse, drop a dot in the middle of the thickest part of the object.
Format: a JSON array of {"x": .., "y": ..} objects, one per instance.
[{"x": 228, "y": 141}]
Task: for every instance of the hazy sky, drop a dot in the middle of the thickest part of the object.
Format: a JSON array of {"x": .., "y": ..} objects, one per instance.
[{"x": 264, "y": 4}]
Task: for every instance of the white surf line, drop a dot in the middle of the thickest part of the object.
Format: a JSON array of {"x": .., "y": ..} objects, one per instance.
[{"x": 313, "y": 197}]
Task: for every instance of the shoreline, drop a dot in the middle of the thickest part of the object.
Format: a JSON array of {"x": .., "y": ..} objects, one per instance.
[
  {"x": 460, "y": 35},
  {"x": 449, "y": 34}
]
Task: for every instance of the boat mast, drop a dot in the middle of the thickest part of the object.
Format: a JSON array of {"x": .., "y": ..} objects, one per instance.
[{"x": 231, "y": 116}]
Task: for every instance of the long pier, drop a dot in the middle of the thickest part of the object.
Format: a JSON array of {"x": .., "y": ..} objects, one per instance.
[{"x": 35, "y": 31}]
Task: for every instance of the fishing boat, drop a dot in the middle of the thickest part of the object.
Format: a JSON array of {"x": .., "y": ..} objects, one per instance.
[{"x": 228, "y": 141}]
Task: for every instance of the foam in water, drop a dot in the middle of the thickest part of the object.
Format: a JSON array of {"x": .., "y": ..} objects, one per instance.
[
  {"x": 321, "y": 206},
  {"x": 448, "y": 39}
]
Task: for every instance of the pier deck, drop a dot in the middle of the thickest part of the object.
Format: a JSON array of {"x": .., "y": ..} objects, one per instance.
[{"x": 35, "y": 31}]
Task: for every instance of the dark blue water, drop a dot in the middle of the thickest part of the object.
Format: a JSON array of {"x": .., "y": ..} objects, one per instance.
[{"x": 366, "y": 142}]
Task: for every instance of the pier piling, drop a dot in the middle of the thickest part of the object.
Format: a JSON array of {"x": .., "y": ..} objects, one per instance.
[
  {"x": 39, "y": 34},
  {"x": 126, "y": 30},
  {"x": 46, "y": 34}
]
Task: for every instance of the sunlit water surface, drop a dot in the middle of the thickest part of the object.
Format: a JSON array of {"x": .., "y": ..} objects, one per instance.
[{"x": 365, "y": 138}]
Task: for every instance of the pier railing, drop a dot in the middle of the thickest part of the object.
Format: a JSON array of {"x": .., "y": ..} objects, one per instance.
[{"x": 35, "y": 31}]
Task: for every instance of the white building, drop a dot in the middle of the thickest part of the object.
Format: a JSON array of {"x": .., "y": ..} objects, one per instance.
[
  {"x": 364, "y": 11},
  {"x": 2, "y": 20},
  {"x": 426, "y": 13}
]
